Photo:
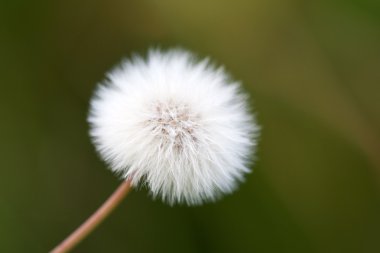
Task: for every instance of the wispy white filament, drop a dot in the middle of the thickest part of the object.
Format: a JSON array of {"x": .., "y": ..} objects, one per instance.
[{"x": 178, "y": 125}]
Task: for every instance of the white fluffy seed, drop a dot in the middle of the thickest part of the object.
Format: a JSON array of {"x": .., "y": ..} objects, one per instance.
[{"x": 178, "y": 125}]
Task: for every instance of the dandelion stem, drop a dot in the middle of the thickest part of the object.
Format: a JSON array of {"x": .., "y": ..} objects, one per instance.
[{"x": 93, "y": 221}]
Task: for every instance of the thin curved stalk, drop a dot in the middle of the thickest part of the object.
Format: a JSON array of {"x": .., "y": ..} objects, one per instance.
[{"x": 94, "y": 220}]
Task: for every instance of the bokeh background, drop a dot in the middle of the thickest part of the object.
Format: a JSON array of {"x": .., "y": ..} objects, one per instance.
[{"x": 312, "y": 68}]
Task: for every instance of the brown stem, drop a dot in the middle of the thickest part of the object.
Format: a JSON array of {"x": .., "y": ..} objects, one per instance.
[{"x": 92, "y": 222}]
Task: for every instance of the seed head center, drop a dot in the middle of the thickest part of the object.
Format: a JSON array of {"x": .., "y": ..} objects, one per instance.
[{"x": 174, "y": 123}]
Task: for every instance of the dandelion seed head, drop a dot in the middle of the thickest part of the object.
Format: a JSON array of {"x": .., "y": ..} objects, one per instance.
[{"x": 180, "y": 126}]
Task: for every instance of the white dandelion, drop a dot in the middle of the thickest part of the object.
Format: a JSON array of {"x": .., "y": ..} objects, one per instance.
[{"x": 177, "y": 125}]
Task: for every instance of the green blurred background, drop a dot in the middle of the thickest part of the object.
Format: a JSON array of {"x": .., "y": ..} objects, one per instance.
[{"x": 311, "y": 67}]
